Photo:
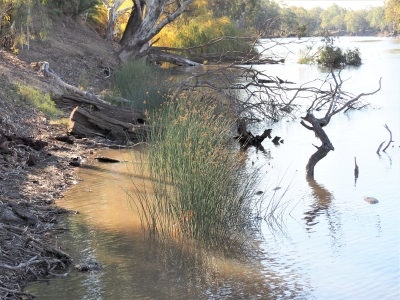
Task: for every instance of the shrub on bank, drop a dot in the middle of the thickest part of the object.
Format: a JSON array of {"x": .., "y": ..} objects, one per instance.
[{"x": 330, "y": 55}]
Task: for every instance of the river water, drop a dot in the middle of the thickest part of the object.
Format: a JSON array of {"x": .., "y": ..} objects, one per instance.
[{"x": 329, "y": 244}]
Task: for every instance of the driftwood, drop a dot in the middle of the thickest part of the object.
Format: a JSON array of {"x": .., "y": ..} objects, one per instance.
[
  {"x": 246, "y": 138},
  {"x": 91, "y": 118}
]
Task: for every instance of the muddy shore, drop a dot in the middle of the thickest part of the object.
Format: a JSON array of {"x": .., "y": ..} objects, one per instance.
[
  {"x": 36, "y": 168},
  {"x": 37, "y": 163}
]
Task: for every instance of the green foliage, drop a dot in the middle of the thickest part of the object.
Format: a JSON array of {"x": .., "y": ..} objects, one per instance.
[
  {"x": 38, "y": 99},
  {"x": 353, "y": 57},
  {"x": 330, "y": 55},
  {"x": 18, "y": 19},
  {"x": 376, "y": 19},
  {"x": 356, "y": 21},
  {"x": 392, "y": 13},
  {"x": 200, "y": 187},
  {"x": 232, "y": 9},
  {"x": 145, "y": 85},
  {"x": 293, "y": 20},
  {"x": 75, "y": 7},
  {"x": 199, "y": 31}
]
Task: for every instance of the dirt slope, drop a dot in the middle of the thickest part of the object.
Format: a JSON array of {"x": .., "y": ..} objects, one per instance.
[{"x": 35, "y": 167}]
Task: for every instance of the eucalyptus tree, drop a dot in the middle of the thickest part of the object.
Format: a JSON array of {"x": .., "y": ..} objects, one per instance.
[
  {"x": 147, "y": 19},
  {"x": 356, "y": 21},
  {"x": 376, "y": 19},
  {"x": 332, "y": 18},
  {"x": 392, "y": 13},
  {"x": 115, "y": 10}
]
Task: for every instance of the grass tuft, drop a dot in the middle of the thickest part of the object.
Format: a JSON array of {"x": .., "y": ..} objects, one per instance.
[{"x": 38, "y": 99}]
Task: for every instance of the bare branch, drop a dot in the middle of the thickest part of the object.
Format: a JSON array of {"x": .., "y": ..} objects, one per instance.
[{"x": 348, "y": 103}]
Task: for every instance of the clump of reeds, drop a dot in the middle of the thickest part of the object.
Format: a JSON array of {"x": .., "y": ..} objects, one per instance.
[
  {"x": 146, "y": 86},
  {"x": 201, "y": 189}
]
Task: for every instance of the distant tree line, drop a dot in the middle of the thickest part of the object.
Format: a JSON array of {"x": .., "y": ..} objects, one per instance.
[
  {"x": 190, "y": 22},
  {"x": 286, "y": 21}
]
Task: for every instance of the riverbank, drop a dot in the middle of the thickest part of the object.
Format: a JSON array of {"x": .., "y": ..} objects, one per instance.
[{"x": 36, "y": 164}]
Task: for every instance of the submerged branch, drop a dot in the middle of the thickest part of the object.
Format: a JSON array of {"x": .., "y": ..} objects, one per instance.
[{"x": 390, "y": 139}]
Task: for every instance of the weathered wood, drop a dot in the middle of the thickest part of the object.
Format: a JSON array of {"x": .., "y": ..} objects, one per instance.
[
  {"x": 246, "y": 138},
  {"x": 87, "y": 123},
  {"x": 276, "y": 139},
  {"x": 91, "y": 118},
  {"x": 157, "y": 56}
]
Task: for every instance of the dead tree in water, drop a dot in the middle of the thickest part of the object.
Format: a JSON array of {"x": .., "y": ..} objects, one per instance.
[{"x": 337, "y": 101}]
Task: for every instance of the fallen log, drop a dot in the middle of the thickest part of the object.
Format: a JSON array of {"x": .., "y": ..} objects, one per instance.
[
  {"x": 87, "y": 123},
  {"x": 90, "y": 118},
  {"x": 238, "y": 60}
]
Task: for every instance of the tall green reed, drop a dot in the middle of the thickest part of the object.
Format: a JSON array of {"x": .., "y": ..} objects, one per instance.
[{"x": 201, "y": 188}]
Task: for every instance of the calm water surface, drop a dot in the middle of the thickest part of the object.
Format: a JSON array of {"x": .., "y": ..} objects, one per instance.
[{"x": 333, "y": 244}]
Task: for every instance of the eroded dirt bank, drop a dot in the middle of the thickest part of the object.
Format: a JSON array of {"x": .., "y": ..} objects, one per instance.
[{"x": 36, "y": 166}]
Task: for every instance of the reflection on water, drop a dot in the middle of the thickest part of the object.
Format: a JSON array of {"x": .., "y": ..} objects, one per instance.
[
  {"x": 337, "y": 246},
  {"x": 323, "y": 199},
  {"x": 108, "y": 230}
]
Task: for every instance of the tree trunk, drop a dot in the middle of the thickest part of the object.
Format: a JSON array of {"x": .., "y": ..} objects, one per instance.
[
  {"x": 133, "y": 24},
  {"x": 113, "y": 15},
  {"x": 138, "y": 37},
  {"x": 323, "y": 150},
  {"x": 111, "y": 23}
]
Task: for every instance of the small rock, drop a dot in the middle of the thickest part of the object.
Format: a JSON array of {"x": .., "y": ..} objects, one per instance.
[
  {"x": 76, "y": 162},
  {"x": 259, "y": 192},
  {"x": 88, "y": 266},
  {"x": 371, "y": 200},
  {"x": 31, "y": 160},
  {"x": 13, "y": 195}
]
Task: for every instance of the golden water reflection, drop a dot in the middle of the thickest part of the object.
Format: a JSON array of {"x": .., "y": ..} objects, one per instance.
[{"x": 108, "y": 230}]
